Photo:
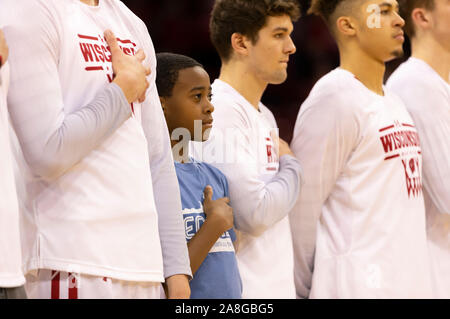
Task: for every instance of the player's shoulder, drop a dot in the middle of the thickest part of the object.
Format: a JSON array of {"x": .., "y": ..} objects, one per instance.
[
  {"x": 25, "y": 7},
  {"x": 265, "y": 110},
  {"x": 230, "y": 108},
  {"x": 268, "y": 114},
  {"x": 128, "y": 12},
  {"x": 123, "y": 8},
  {"x": 212, "y": 170},
  {"x": 223, "y": 95},
  {"x": 338, "y": 90},
  {"x": 412, "y": 75},
  {"x": 338, "y": 82},
  {"x": 417, "y": 85},
  {"x": 214, "y": 173},
  {"x": 31, "y": 15}
]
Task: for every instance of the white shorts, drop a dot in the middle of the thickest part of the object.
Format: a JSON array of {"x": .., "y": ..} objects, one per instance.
[{"x": 50, "y": 284}]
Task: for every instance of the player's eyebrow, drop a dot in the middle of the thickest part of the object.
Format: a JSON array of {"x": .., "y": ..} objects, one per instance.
[
  {"x": 389, "y": 5},
  {"x": 280, "y": 29},
  {"x": 198, "y": 88}
]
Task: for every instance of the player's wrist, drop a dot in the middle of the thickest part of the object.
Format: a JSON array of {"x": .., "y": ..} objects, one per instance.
[
  {"x": 125, "y": 84},
  {"x": 216, "y": 224},
  {"x": 178, "y": 287},
  {"x": 287, "y": 154}
]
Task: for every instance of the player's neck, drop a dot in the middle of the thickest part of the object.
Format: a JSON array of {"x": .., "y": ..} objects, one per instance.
[
  {"x": 180, "y": 150},
  {"x": 92, "y": 3},
  {"x": 366, "y": 69},
  {"x": 237, "y": 75},
  {"x": 434, "y": 54}
]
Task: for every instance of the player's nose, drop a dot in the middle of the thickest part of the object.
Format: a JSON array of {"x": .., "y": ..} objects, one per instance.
[
  {"x": 290, "y": 47},
  {"x": 208, "y": 107},
  {"x": 399, "y": 21}
]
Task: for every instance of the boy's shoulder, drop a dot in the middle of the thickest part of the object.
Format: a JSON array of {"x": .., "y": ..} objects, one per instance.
[
  {"x": 207, "y": 170},
  {"x": 214, "y": 171}
]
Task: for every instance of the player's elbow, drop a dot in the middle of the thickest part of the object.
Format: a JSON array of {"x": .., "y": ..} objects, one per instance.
[
  {"x": 257, "y": 219},
  {"x": 252, "y": 226},
  {"x": 446, "y": 207},
  {"x": 441, "y": 201},
  {"x": 47, "y": 168}
]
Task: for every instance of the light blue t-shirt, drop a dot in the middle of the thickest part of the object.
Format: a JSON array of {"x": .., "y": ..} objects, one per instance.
[{"x": 218, "y": 276}]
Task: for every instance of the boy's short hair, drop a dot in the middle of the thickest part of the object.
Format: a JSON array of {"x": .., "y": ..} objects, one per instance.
[
  {"x": 246, "y": 17},
  {"x": 406, "y": 9},
  {"x": 168, "y": 67}
]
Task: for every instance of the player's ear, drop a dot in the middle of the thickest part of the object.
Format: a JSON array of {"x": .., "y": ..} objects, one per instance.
[
  {"x": 346, "y": 26},
  {"x": 239, "y": 43},
  {"x": 420, "y": 18}
]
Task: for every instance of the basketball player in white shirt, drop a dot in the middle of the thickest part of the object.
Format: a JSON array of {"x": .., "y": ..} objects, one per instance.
[
  {"x": 11, "y": 277},
  {"x": 103, "y": 219},
  {"x": 359, "y": 224},
  {"x": 254, "y": 43},
  {"x": 423, "y": 84}
]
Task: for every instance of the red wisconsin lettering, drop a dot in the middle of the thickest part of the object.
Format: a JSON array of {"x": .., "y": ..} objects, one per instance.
[
  {"x": 397, "y": 140},
  {"x": 87, "y": 54},
  {"x": 95, "y": 54},
  {"x": 387, "y": 143},
  {"x": 106, "y": 54},
  {"x": 100, "y": 52},
  {"x": 269, "y": 154}
]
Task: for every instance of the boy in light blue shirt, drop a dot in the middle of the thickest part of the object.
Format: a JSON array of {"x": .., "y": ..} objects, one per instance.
[{"x": 185, "y": 93}]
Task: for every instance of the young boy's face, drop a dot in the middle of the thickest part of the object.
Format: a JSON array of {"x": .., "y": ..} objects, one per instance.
[
  {"x": 190, "y": 101},
  {"x": 384, "y": 41}
]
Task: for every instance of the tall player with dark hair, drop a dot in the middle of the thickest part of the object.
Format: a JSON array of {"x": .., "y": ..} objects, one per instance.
[
  {"x": 104, "y": 216},
  {"x": 423, "y": 84},
  {"x": 359, "y": 224},
  {"x": 254, "y": 44}
]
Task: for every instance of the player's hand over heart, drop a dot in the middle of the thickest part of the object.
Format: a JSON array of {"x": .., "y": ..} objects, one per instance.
[
  {"x": 281, "y": 146},
  {"x": 130, "y": 73},
  {"x": 3, "y": 49}
]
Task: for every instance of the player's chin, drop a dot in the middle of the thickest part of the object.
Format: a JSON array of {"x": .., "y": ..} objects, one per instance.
[
  {"x": 396, "y": 54},
  {"x": 279, "y": 77}
]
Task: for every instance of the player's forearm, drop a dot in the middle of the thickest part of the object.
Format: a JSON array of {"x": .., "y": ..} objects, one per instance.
[
  {"x": 170, "y": 221},
  {"x": 79, "y": 133},
  {"x": 171, "y": 229},
  {"x": 166, "y": 191},
  {"x": 256, "y": 215},
  {"x": 200, "y": 245},
  {"x": 304, "y": 219},
  {"x": 177, "y": 287}
]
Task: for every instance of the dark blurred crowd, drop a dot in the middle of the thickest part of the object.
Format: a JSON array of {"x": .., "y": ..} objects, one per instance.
[{"x": 182, "y": 26}]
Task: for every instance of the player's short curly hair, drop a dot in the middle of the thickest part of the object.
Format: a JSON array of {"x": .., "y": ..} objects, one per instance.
[
  {"x": 406, "y": 9},
  {"x": 167, "y": 70},
  {"x": 246, "y": 17}
]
